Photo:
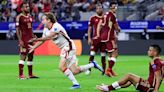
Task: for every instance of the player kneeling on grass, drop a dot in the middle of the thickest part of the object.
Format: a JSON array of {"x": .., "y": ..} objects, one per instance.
[
  {"x": 68, "y": 63},
  {"x": 156, "y": 74}
]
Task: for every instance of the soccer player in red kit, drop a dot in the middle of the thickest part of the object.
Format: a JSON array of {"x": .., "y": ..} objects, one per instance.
[
  {"x": 152, "y": 84},
  {"x": 24, "y": 34},
  {"x": 109, "y": 30},
  {"x": 95, "y": 41}
]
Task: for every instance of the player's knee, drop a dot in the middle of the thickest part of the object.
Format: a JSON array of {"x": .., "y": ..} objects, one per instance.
[
  {"x": 130, "y": 75},
  {"x": 75, "y": 71}
]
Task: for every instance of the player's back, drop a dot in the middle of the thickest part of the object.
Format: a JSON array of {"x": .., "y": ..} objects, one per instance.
[
  {"x": 107, "y": 32},
  {"x": 24, "y": 23}
]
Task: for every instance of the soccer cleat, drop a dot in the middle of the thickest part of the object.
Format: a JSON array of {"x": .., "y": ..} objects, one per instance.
[
  {"x": 110, "y": 73},
  {"x": 32, "y": 77},
  {"x": 103, "y": 88},
  {"x": 21, "y": 77},
  {"x": 97, "y": 66},
  {"x": 75, "y": 86}
]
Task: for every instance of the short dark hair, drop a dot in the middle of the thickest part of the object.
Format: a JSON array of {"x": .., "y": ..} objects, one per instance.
[
  {"x": 51, "y": 17},
  {"x": 112, "y": 3},
  {"x": 157, "y": 48},
  {"x": 23, "y": 4},
  {"x": 99, "y": 5}
]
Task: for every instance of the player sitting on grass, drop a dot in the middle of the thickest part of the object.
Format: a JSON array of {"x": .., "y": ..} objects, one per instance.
[{"x": 152, "y": 84}]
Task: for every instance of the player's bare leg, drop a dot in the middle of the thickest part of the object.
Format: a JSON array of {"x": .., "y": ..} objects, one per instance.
[
  {"x": 111, "y": 60},
  {"x": 103, "y": 54},
  {"x": 21, "y": 65},
  {"x": 30, "y": 66},
  {"x": 91, "y": 58},
  {"x": 126, "y": 81},
  {"x": 68, "y": 73},
  {"x": 78, "y": 69}
]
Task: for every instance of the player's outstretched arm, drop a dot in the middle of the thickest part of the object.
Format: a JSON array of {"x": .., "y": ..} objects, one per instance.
[
  {"x": 49, "y": 37},
  {"x": 36, "y": 45},
  {"x": 158, "y": 78},
  {"x": 89, "y": 34}
]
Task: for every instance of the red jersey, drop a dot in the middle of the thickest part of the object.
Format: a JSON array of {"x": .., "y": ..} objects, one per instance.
[
  {"x": 24, "y": 24},
  {"x": 108, "y": 30},
  {"x": 95, "y": 21},
  {"x": 156, "y": 65}
]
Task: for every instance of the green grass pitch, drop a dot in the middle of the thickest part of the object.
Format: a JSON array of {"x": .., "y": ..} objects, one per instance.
[{"x": 52, "y": 80}]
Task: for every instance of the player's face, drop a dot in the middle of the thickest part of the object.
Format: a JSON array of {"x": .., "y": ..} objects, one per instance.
[
  {"x": 99, "y": 10},
  {"x": 151, "y": 52},
  {"x": 114, "y": 8},
  {"x": 26, "y": 8},
  {"x": 44, "y": 20}
]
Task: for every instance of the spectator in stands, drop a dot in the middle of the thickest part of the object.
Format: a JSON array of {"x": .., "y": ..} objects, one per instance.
[
  {"x": 10, "y": 35},
  {"x": 145, "y": 34},
  {"x": 46, "y": 6}
]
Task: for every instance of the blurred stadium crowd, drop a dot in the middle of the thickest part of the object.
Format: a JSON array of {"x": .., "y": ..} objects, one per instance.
[{"x": 81, "y": 10}]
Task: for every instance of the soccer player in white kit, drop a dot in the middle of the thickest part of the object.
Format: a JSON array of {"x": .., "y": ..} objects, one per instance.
[{"x": 68, "y": 62}]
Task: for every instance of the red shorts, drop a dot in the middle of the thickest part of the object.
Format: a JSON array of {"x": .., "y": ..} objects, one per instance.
[
  {"x": 144, "y": 86},
  {"x": 24, "y": 50},
  {"x": 111, "y": 45},
  {"x": 97, "y": 44}
]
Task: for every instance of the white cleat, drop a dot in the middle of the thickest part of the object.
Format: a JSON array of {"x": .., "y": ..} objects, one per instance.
[{"x": 87, "y": 72}]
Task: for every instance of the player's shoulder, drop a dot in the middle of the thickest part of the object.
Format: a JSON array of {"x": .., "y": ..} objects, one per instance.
[
  {"x": 57, "y": 26},
  {"x": 19, "y": 16},
  {"x": 156, "y": 60},
  {"x": 93, "y": 16}
]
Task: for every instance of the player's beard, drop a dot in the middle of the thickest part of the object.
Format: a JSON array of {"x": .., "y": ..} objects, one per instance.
[
  {"x": 100, "y": 14},
  {"x": 27, "y": 11}
]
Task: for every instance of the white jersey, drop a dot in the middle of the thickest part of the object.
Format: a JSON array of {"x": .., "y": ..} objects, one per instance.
[{"x": 61, "y": 39}]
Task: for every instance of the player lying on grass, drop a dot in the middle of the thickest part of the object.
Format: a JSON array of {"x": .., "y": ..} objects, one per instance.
[
  {"x": 152, "y": 84},
  {"x": 68, "y": 63}
]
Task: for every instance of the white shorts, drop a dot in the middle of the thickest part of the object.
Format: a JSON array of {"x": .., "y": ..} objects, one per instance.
[{"x": 68, "y": 55}]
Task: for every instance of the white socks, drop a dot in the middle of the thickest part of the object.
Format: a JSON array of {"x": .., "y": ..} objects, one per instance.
[
  {"x": 21, "y": 62},
  {"x": 29, "y": 63},
  {"x": 116, "y": 85},
  {"x": 70, "y": 75},
  {"x": 86, "y": 67}
]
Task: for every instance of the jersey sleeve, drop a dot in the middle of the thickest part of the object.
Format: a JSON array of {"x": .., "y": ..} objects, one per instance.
[
  {"x": 90, "y": 23},
  {"x": 18, "y": 20},
  {"x": 157, "y": 65}
]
